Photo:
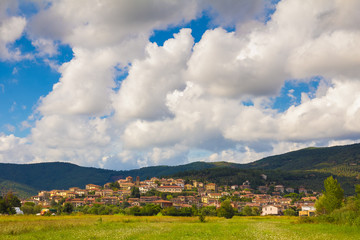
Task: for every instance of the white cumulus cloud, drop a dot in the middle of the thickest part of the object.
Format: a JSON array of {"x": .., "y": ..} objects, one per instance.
[
  {"x": 183, "y": 96},
  {"x": 11, "y": 29}
]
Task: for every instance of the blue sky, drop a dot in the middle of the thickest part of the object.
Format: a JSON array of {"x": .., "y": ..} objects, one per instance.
[
  {"x": 22, "y": 83},
  {"x": 129, "y": 84}
]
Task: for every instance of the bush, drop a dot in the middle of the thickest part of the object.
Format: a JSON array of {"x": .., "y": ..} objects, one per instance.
[
  {"x": 255, "y": 211},
  {"x": 93, "y": 210},
  {"x": 170, "y": 211},
  {"x": 27, "y": 209},
  {"x": 104, "y": 210},
  {"x": 150, "y": 210},
  {"x": 342, "y": 216},
  {"x": 347, "y": 214},
  {"x": 307, "y": 220},
  {"x": 208, "y": 211},
  {"x": 290, "y": 212},
  {"x": 202, "y": 218},
  {"x": 246, "y": 211},
  {"x": 135, "y": 211}
]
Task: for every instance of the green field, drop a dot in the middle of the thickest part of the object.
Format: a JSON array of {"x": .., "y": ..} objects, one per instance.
[{"x": 129, "y": 227}]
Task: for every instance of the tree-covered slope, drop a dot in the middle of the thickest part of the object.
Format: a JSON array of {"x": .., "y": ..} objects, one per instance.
[
  {"x": 308, "y": 167},
  {"x": 311, "y": 158},
  {"x": 58, "y": 175},
  {"x": 229, "y": 176},
  {"x": 157, "y": 171},
  {"x": 20, "y": 190},
  {"x": 342, "y": 161}
]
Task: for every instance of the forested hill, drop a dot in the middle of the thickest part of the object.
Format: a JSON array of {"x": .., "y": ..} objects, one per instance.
[
  {"x": 342, "y": 161},
  {"x": 311, "y": 158},
  {"x": 47, "y": 176},
  {"x": 26, "y": 179},
  {"x": 308, "y": 167}
]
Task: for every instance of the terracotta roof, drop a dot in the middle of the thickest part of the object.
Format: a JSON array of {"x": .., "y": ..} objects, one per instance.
[
  {"x": 170, "y": 186},
  {"x": 162, "y": 201}
]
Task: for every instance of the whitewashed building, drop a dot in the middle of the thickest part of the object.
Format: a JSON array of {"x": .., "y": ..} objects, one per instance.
[{"x": 270, "y": 210}]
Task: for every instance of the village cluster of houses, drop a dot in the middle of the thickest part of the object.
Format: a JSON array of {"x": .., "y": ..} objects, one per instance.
[{"x": 198, "y": 194}]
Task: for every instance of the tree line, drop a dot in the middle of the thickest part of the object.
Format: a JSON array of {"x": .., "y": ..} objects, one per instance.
[
  {"x": 333, "y": 207},
  {"x": 8, "y": 203}
]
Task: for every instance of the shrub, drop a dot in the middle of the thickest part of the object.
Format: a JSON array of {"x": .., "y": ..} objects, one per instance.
[
  {"x": 135, "y": 211},
  {"x": 202, "y": 218},
  {"x": 290, "y": 212},
  {"x": 150, "y": 210},
  {"x": 307, "y": 220},
  {"x": 208, "y": 211},
  {"x": 246, "y": 211}
]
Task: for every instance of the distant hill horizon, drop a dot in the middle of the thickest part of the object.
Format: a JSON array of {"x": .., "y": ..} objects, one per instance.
[{"x": 27, "y": 179}]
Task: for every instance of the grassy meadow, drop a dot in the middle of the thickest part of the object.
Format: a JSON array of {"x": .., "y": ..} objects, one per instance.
[{"x": 130, "y": 227}]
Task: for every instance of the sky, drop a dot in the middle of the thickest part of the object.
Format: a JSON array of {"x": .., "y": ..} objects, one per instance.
[{"x": 123, "y": 84}]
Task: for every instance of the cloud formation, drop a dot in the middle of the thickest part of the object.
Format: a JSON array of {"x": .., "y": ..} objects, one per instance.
[
  {"x": 183, "y": 97},
  {"x": 11, "y": 29}
]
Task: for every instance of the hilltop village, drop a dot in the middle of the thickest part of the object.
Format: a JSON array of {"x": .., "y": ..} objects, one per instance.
[{"x": 175, "y": 193}]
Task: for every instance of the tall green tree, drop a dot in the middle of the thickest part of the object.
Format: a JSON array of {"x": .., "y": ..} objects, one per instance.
[
  {"x": 332, "y": 197},
  {"x": 5, "y": 207},
  {"x": 68, "y": 208},
  {"x": 8, "y": 203},
  {"x": 226, "y": 210},
  {"x": 13, "y": 200},
  {"x": 135, "y": 192}
]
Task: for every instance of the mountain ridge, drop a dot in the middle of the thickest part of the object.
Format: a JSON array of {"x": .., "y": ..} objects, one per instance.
[{"x": 338, "y": 160}]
